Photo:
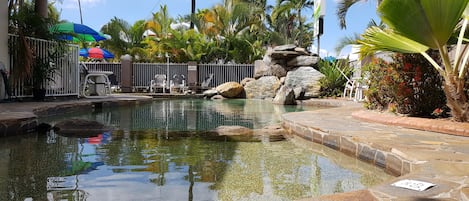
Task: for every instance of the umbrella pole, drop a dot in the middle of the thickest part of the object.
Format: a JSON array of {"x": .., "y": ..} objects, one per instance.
[{"x": 81, "y": 17}]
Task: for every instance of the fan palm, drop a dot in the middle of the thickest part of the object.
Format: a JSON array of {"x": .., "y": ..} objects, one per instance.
[
  {"x": 124, "y": 37},
  {"x": 343, "y": 8},
  {"x": 430, "y": 25}
]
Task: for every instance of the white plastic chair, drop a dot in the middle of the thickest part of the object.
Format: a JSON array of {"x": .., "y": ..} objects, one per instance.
[
  {"x": 360, "y": 87},
  {"x": 178, "y": 83},
  {"x": 349, "y": 88},
  {"x": 95, "y": 84},
  {"x": 158, "y": 82}
]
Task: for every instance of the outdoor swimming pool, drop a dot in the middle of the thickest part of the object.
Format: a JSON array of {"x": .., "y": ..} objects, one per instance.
[{"x": 157, "y": 151}]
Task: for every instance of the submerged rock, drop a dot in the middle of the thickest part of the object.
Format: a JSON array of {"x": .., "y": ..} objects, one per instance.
[
  {"x": 80, "y": 128},
  {"x": 271, "y": 133}
]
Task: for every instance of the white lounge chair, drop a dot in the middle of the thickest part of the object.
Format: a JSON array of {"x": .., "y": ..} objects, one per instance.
[{"x": 204, "y": 85}]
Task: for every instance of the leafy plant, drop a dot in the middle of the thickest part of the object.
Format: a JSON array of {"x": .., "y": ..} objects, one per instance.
[
  {"x": 430, "y": 25},
  {"x": 43, "y": 71},
  {"x": 408, "y": 85},
  {"x": 335, "y": 76}
]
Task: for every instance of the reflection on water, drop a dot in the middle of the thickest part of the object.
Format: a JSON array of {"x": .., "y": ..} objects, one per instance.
[
  {"x": 149, "y": 159},
  {"x": 191, "y": 115}
]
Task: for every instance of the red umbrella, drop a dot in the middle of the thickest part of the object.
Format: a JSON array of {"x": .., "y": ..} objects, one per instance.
[{"x": 97, "y": 53}]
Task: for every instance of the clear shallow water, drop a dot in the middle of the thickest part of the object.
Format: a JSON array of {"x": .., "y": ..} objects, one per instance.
[{"x": 157, "y": 151}]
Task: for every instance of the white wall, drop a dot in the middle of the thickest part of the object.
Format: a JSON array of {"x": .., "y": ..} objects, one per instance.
[{"x": 3, "y": 43}]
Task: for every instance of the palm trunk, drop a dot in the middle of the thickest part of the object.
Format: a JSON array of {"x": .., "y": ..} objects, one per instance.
[
  {"x": 456, "y": 98},
  {"x": 300, "y": 24},
  {"x": 40, "y": 6},
  {"x": 192, "y": 14}
]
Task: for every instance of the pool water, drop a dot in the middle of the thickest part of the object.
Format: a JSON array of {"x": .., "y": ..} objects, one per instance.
[{"x": 158, "y": 151}]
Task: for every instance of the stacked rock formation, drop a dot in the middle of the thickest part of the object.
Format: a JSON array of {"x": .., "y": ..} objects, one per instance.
[{"x": 285, "y": 74}]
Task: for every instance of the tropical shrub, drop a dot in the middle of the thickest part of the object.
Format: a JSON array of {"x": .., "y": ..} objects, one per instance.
[
  {"x": 409, "y": 85},
  {"x": 333, "y": 82},
  {"x": 433, "y": 24}
]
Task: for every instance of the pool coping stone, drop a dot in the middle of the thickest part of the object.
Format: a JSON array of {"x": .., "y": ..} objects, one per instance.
[{"x": 406, "y": 147}]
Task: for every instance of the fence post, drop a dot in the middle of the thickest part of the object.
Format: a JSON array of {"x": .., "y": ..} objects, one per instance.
[
  {"x": 192, "y": 75},
  {"x": 4, "y": 44},
  {"x": 126, "y": 73}
]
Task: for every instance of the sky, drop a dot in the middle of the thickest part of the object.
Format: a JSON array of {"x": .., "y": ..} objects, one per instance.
[{"x": 96, "y": 13}]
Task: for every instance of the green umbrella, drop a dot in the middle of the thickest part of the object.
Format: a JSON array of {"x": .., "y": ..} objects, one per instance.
[{"x": 76, "y": 32}]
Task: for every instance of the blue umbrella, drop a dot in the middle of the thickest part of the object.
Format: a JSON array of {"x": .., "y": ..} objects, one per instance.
[
  {"x": 96, "y": 52},
  {"x": 330, "y": 59},
  {"x": 76, "y": 32}
]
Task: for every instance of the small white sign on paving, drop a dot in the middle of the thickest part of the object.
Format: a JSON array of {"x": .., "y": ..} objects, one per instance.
[{"x": 413, "y": 184}]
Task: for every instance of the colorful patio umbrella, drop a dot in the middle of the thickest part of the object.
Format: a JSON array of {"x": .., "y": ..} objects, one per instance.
[
  {"x": 96, "y": 52},
  {"x": 76, "y": 32}
]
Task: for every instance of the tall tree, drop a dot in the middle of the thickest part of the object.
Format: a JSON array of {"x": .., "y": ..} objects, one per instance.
[
  {"x": 161, "y": 22},
  {"x": 124, "y": 37},
  {"x": 286, "y": 7}
]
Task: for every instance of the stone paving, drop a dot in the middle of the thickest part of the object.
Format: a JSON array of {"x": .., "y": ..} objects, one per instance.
[
  {"x": 434, "y": 157},
  {"x": 424, "y": 155}
]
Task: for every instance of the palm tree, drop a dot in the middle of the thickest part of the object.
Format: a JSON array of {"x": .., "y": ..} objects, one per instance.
[
  {"x": 431, "y": 25},
  {"x": 343, "y": 7},
  {"x": 160, "y": 23},
  {"x": 353, "y": 40},
  {"x": 125, "y": 39},
  {"x": 286, "y": 6}
]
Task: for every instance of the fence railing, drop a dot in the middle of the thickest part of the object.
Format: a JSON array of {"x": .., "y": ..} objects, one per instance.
[
  {"x": 225, "y": 72},
  {"x": 143, "y": 73},
  {"x": 66, "y": 77}
]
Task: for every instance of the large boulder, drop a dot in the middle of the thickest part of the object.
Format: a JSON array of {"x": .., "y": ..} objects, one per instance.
[
  {"x": 305, "y": 77},
  {"x": 262, "y": 88},
  {"x": 287, "y": 47},
  {"x": 278, "y": 70},
  {"x": 261, "y": 69},
  {"x": 246, "y": 80},
  {"x": 284, "y": 54},
  {"x": 303, "y": 61},
  {"x": 230, "y": 89},
  {"x": 285, "y": 96}
]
